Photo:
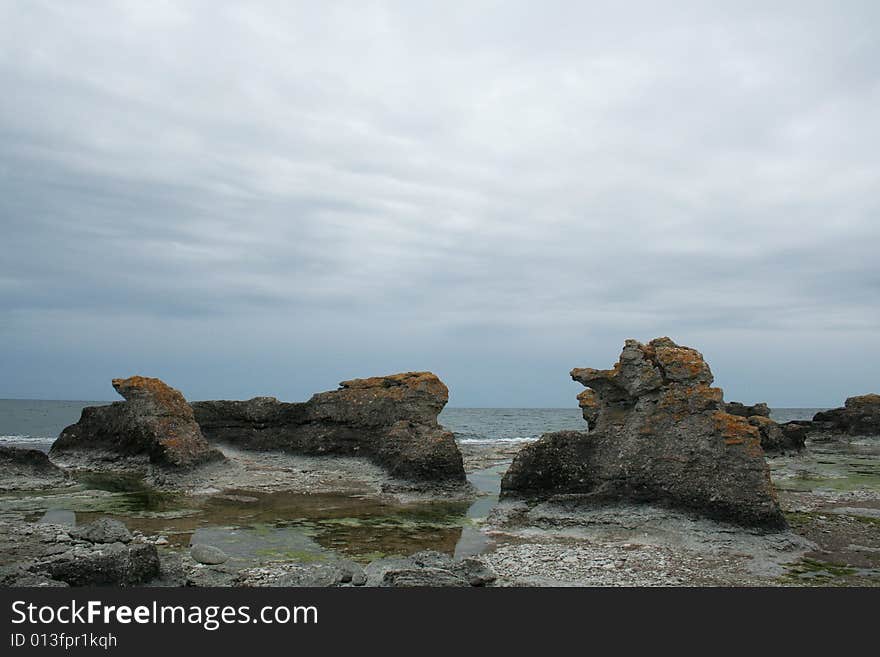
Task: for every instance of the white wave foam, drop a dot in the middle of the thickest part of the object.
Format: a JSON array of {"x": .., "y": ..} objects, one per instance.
[
  {"x": 26, "y": 439},
  {"x": 492, "y": 441}
]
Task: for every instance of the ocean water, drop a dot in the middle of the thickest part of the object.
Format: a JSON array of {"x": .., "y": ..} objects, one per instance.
[{"x": 37, "y": 423}]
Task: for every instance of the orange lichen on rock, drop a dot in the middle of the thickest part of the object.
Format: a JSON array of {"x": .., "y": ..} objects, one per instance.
[
  {"x": 427, "y": 382},
  {"x": 154, "y": 420},
  {"x": 733, "y": 426},
  {"x": 155, "y": 391},
  {"x": 658, "y": 432}
]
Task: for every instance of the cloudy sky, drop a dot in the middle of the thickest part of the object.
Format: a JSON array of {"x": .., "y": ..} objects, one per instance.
[{"x": 267, "y": 198}]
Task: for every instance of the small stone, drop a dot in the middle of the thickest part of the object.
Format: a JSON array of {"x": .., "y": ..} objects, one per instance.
[{"x": 208, "y": 554}]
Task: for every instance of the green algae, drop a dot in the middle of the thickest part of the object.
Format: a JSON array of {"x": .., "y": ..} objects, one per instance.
[
  {"x": 814, "y": 569},
  {"x": 254, "y": 527}
]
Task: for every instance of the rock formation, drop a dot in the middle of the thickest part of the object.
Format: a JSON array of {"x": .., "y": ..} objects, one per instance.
[
  {"x": 28, "y": 468},
  {"x": 154, "y": 421},
  {"x": 736, "y": 408},
  {"x": 392, "y": 420},
  {"x": 860, "y": 416},
  {"x": 660, "y": 434},
  {"x": 788, "y": 437}
]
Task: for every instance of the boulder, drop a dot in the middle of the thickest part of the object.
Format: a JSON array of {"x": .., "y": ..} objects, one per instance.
[
  {"x": 103, "y": 530},
  {"x": 112, "y": 564},
  {"x": 154, "y": 421},
  {"x": 22, "y": 468},
  {"x": 208, "y": 554},
  {"x": 661, "y": 435},
  {"x": 391, "y": 420},
  {"x": 859, "y": 416}
]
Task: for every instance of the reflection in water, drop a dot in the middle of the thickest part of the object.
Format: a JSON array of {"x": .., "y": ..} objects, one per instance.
[{"x": 254, "y": 527}]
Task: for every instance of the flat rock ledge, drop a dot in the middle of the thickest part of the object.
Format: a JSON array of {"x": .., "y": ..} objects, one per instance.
[
  {"x": 29, "y": 469},
  {"x": 390, "y": 420},
  {"x": 659, "y": 433}
]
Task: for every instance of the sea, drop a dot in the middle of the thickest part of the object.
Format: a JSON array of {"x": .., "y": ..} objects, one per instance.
[{"x": 37, "y": 423}]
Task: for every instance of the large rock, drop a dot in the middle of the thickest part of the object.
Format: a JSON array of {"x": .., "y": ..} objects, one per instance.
[
  {"x": 111, "y": 564},
  {"x": 22, "y": 468},
  {"x": 103, "y": 530},
  {"x": 860, "y": 416},
  {"x": 154, "y": 420},
  {"x": 392, "y": 420},
  {"x": 661, "y": 434},
  {"x": 778, "y": 438}
]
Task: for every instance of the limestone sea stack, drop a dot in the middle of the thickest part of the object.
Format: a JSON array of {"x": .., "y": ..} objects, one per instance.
[
  {"x": 155, "y": 420},
  {"x": 860, "y": 416},
  {"x": 391, "y": 420},
  {"x": 659, "y": 433}
]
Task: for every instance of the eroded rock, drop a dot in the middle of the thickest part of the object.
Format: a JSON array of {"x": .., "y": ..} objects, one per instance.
[
  {"x": 111, "y": 564},
  {"x": 736, "y": 408},
  {"x": 103, "y": 530},
  {"x": 660, "y": 434},
  {"x": 780, "y": 438},
  {"x": 154, "y": 421},
  {"x": 22, "y": 468},
  {"x": 859, "y": 416},
  {"x": 392, "y": 420}
]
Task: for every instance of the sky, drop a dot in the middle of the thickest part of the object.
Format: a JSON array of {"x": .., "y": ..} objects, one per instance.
[{"x": 266, "y": 198}]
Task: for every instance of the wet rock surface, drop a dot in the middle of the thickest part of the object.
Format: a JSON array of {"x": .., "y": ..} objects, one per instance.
[
  {"x": 154, "y": 422},
  {"x": 661, "y": 435},
  {"x": 391, "y": 420},
  {"x": 22, "y": 468}
]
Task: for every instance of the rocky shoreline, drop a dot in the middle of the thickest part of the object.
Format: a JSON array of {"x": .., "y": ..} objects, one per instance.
[
  {"x": 669, "y": 486},
  {"x": 834, "y": 538}
]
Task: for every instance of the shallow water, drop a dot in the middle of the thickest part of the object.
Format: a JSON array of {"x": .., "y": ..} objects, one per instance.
[
  {"x": 257, "y": 527},
  {"x": 832, "y": 466}
]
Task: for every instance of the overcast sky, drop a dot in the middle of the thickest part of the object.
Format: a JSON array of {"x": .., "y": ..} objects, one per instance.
[{"x": 267, "y": 198}]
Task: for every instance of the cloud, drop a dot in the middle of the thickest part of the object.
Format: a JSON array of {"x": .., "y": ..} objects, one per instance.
[{"x": 266, "y": 198}]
